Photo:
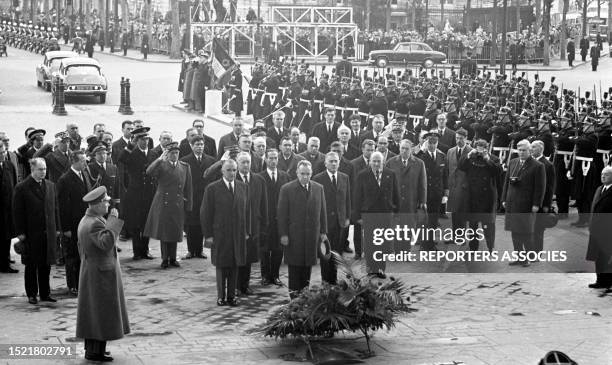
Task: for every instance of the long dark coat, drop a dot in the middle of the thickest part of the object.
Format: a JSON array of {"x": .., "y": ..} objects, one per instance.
[
  {"x": 70, "y": 192},
  {"x": 270, "y": 239},
  {"x": 101, "y": 311},
  {"x": 8, "y": 180},
  {"x": 412, "y": 183},
  {"x": 595, "y": 54},
  {"x": 302, "y": 217},
  {"x": 36, "y": 215},
  {"x": 105, "y": 177},
  {"x": 224, "y": 218},
  {"x": 600, "y": 227},
  {"x": 57, "y": 164},
  {"x": 525, "y": 194},
  {"x": 198, "y": 185},
  {"x": 258, "y": 208},
  {"x": 140, "y": 188},
  {"x": 172, "y": 199},
  {"x": 481, "y": 180},
  {"x": 457, "y": 194}
]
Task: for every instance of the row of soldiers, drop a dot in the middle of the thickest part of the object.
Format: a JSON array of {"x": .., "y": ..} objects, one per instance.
[
  {"x": 23, "y": 35},
  {"x": 499, "y": 108}
]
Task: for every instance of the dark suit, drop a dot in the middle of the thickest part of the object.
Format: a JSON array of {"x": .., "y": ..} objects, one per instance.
[
  {"x": 351, "y": 151},
  {"x": 447, "y": 140},
  {"x": 8, "y": 180},
  {"x": 600, "y": 249},
  {"x": 520, "y": 197},
  {"x": 370, "y": 197},
  {"x": 302, "y": 217},
  {"x": 107, "y": 177},
  {"x": 224, "y": 217},
  {"x": 227, "y": 140},
  {"x": 338, "y": 208},
  {"x": 258, "y": 207},
  {"x": 437, "y": 184},
  {"x": 36, "y": 216},
  {"x": 275, "y": 136},
  {"x": 138, "y": 195},
  {"x": 359, "y": 164},
  {"x": 210, "y": 147},
  {"x": 320, "y": 130},
  {"x": 271, "y": 251},
  {"x": 317, "y": 161},
  {"x": 70, "y": 192},
  {"x": 538, "y": 232},
  {"x": 122, "y": 183},
  {"x": 193, "y": 228},
  {"x": 57, "y": 164},
  {"x": 289, "y": 165}
]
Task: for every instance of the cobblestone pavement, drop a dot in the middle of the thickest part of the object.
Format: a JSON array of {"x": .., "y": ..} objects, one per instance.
[{"x": 461, "y": 318}]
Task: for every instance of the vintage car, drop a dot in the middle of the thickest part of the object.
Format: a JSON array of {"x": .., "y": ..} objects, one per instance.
[
  {"x": 50, "y": 65},
  {"x": 407, "y": 53},
  {"x": 83, "y": 77}
]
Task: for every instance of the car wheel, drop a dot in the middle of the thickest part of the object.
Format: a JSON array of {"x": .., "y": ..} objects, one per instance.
[
  {"x": 102, "y": 99},
  {"x": 428, "y": 63},
  {"x": 381, "y": 62},
  {"x": 48, "y": 87}
]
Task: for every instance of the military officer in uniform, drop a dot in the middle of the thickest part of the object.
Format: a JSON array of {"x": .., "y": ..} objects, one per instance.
[{"x": 101, "y": 310}]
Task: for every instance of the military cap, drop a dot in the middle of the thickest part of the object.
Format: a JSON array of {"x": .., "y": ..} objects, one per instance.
[
  {"x": 36, "y": 132},
  {"x": 462, "y": 132},
  {"x": 63, "y": 135},
  {"x": 100, "y": 146},
  {"x": 432, "y": 133},
  {"x": 141, "y": 132},
  {"x": 172, "y": 146},
  {"x": 258, "y": 127},
  {"x": 97, "y": 195},
  {"x": 396, "y": 126}
]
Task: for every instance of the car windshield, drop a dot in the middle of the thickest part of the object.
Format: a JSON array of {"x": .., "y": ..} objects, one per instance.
[
  {"x": 403, "y": 47},
  {"x": 55, "y": 63},
  {"x": 82, "y": 70},
  {"x": 426, "y": 47}
]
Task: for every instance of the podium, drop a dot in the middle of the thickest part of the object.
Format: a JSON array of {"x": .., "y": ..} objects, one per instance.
[{"x": 214, "y": 102}]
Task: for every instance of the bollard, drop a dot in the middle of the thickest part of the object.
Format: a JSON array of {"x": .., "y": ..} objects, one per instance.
[
  {"x": 127, "y": 109},
  {"x": 61, "y": 110},
  {"x": 54, "y": 86},
  {"x": 122, "y": 105}
]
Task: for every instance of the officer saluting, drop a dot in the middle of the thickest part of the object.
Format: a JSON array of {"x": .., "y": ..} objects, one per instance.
[{"x": 101, "y": 311}]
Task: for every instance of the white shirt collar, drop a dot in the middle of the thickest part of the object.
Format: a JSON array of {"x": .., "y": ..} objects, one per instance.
[
  {"x": 227, "y": 183},
  {"x": 332, "y": 174},
  {"x": 145, "y": 151},
  {"x": 125, "y": 139},
  {"x": 248, "y": 175},
  {"x": 78, "y": 173}
]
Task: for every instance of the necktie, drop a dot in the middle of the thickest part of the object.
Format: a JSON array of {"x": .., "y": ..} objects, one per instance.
[
  {"x": 432, "y": 155},
  {"x": 329, "y": 129},
  {"x": 81, "y": 176},
  {"x": 231, "y": 188},
  {"x": 405, "y": 163},
  {"x": 334, "y": 180},
  {"x": 199, "y": 159},
  {"x": 378, "y": 177},
  {"x": 459, "y": 153},
  {"x": 605, "y": 188},
  {"x": 246, "y": 178},
  {"x": 273, "y": 177}
]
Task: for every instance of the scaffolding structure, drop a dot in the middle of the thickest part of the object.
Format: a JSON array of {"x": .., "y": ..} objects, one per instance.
[{"x": 300, "y": 31}]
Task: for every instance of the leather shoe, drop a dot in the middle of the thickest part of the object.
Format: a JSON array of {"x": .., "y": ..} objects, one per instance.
[
  {"x": 175, "y": 263},
  {"x": 73, "y": 291},
  {"x": 9, "y": 270},
  {"x": 164, "y": 264},
  {"x": 348, "y": 250},
  {"x": 265, "y": 282},
  {"x": 598, "y": 285},
  {"x": 102, "y": 358},
  {"x": 11, "y": 261},
  {"x": 48, "y": 299},
  {"x": 189, "y": 256},
  {"x": 221, "y": 302},
  {"x": 515, "y": 263},
  {"x": 247, "y": 291},
  {"x": 136, "y": 258},
  {"x": 32, "y": 300},
  {"x": 148, "y": 257},
  {"x": 357, "y": 256},
  {"x": 232, "y": 302},
  {"x": 201, "y": 256},
  {"x": 278, "y": 282}
]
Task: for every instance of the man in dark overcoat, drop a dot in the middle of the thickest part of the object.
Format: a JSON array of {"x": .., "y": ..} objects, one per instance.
[
  {"x": 36, "y": 218},
  {"x": 287, "y": 159},
  {"x": 412, "y": 179},
  {"x": 482, "y": 177},
  {"x": 360, "y": 163},
  {"x": 231, "y": 139},
  {"x": 136, "y": 157},
  {"x": 457, "y": 197},
  {"x": 125, "y": 41},
  {"x": 224, "y": 216},
  {"x": 198, "y": 162},
  {"x": 236, "y": 103},
  {"x": 584, "y": 47},
  {"x": 101, "y": 309},
  {"x": 537, "y": 152},
  {"x": 600, "y": 249},
  {"x": 271, "y": 251},
  {"x": 522, "y": 196},
  {"x": 71, "y": 188},
  {"x": 376, "y": 191},
  {"x": 571, "y": 51},
  {"x": 337, "y": 189},
  {"x": 302, "y": 225},
  {"x": 127, "y": 126},
  {"x": 327, "y": 130},
  {"x": 258, "y": 217},
  {"x": 8, "y": 180},
  {"x": 104, "y": 173},
  {"x": 172, "y": 200},
  {"x": 595, "y": 54},
  {"x": 144, "y": 45},
  {"x": 57, "y": 161}
]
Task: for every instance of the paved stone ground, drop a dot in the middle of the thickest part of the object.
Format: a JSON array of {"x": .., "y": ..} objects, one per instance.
[{"x": 508, "y": 318}]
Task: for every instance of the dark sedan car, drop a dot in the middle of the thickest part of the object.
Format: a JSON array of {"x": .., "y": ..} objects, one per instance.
[{"x": 407, "y": 53}]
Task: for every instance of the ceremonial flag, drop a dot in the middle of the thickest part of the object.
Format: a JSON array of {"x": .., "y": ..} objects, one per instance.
[{"x": 222, "y": 63}]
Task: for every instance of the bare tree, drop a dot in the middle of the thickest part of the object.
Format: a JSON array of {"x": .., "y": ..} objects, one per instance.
[
  {"x": 149, "y": 29},
  {"x": 388, "y": 15},
  {"x": 563, "y": 39},
  {"x": 175, "y": 50},
  {"x": 467, "y": 20},
  {"x": 546, "y": 30},
  {"x": 442, "y": 14},
  {"x": 538, "y": 15},
  {"x": 493, "y": 51},
  {"x": 125, "y": 14}
]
